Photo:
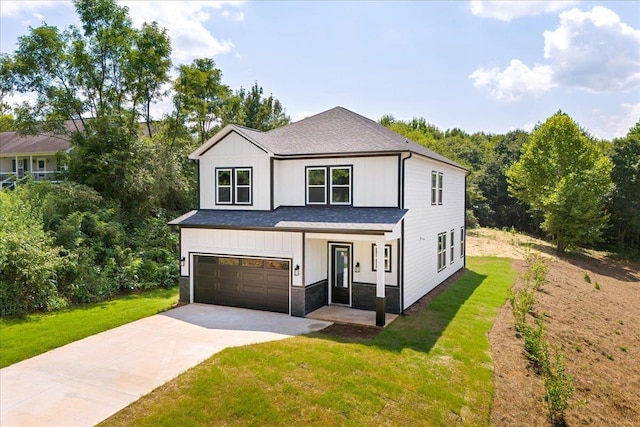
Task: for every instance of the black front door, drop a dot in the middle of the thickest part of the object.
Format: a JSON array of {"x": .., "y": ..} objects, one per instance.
[{"x": 340, "y": 274}]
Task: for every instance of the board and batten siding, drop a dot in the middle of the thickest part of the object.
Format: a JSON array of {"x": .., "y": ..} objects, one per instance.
[
  {"x": 374, "y": 181},
  {"x": 425, "y": 221},
  {"x": 250, "y": 243},
  {"x": 235, "y": 151}
]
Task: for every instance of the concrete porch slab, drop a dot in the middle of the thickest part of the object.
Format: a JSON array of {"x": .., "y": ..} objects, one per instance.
[{"x": 341, "y": 314}]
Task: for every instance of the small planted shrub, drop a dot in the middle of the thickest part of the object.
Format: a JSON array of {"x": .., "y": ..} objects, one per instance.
[
  {"x": 536, "y": 347},
  {"x": 522, "y": 301},
  {"x": 536, "y": 274},
  {"x": 597, "y": 286},
  {"x": 587, "y": 278},
  {"x": 558, "y": 385}
]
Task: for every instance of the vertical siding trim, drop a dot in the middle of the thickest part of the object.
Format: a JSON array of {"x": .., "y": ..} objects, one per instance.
[
  {"x": 403, "y": 178},
  {"x": 401, "y": 267},
  {"x": 198, "y": 195},
  {"x": 271, "y": 172},
  {"x": 400, "y": 180},
  {"x": 304, "y": 262}
]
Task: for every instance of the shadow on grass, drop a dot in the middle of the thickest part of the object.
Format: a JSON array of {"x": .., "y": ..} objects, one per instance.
[{"x": 420, "y": 331}]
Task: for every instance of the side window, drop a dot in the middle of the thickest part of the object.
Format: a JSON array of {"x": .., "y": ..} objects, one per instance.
[
  {"x": 387, "y": 258},
  {"x": 442, "y": 251},
  {"x": 451, "y": 245},
  {"x": 434, "y": 187},
  {"x": 440, "y": 179},
  {"x": 461, "y": 242}
]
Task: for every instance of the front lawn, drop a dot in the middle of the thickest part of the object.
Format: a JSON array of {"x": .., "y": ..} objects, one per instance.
[
  {"x": 430, "y": 368},
  {"x": 24, "y": 338}
]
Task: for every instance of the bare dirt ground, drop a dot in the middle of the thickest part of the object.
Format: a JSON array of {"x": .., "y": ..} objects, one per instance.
[{"x": 597, "y": 329}]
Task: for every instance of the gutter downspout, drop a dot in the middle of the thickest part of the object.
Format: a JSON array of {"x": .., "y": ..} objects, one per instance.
[{"x": 401, "y": 246}]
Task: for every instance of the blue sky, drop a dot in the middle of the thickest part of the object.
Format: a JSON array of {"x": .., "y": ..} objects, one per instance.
[{"x": 478, "y": 66}]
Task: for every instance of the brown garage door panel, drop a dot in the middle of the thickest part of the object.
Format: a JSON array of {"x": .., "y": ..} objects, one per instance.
[{"x": 242, "y": 283}]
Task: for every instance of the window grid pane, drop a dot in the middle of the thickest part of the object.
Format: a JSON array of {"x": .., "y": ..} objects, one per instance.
[
  {"x": 317, "y": 186},
  {"x": 340, "y": 186}
]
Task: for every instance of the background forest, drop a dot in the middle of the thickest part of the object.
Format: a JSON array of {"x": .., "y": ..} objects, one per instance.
[{"x": 103, "y": 230}]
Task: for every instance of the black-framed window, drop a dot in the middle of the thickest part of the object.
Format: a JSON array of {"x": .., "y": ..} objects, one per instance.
[
  {"x": 387, "y": 258},
  {"x": 329, "y": 185},
  {"x": 442, "y": 251},
  {"x": 452, "y": 245},
  {"x": 234, "y": 186},
  {"x": 437, "y": 182},
  {"x": 461, "y": 242}
]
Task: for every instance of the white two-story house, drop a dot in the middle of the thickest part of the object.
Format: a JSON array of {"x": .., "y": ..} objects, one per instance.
[{"x": 333, "y": 209}]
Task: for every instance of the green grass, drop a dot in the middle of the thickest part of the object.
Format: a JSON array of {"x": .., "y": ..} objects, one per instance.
[
  {"x": 432, "y": 368},
  {"x": 24, "y": 338}
]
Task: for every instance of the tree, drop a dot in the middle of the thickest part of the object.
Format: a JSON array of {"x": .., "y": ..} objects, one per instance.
[
  {"x": 93, "y": 83},
  {"x": 200, "y": 96},
  {"x": 261, "y": 113},
  {"x": 563, "y": 176},
  {"x": 624, "y": 204}
]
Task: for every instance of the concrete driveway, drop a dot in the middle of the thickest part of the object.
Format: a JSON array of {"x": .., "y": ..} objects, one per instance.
[{"x": 87, "y": 381}]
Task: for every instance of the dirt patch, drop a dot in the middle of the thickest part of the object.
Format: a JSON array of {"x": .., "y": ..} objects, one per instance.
[{"x": 596, "y": 326}]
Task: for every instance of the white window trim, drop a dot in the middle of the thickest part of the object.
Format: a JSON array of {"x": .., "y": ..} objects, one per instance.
[
  {"x": 331, "y": 185},
  {"x": 452, "y": 247},
  {"x": 387, "y": 258},
  {"x": 440, "y": 185},
  {"x": 218, "y": 186},
  {"x": 442, "y": 251},
  {"x": 461, "y": 242},
  {"x": 434, "y": 187},
  {"x": 309, "y": 186},
  {"x": 236, "y": 186}
]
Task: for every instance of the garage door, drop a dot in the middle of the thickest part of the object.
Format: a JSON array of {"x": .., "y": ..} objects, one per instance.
[{"x": 261, "y": 284}]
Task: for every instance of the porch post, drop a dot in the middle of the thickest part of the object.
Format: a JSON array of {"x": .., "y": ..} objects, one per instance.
[{"x": 381, "y": 305}]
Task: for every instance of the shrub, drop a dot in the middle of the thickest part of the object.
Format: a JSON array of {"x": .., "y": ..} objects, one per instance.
[
  {"x": 558, "y": 385},
  {"x": 536, "y": 347},
  {"x": 536, "y": 274},
  {"x": 522, "y": 301},
  {"x": 587, "y": 278}
]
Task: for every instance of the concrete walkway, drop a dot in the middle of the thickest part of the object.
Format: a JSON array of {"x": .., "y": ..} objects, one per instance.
[
  {"x": 87, "y": 381},
  {"x": 341, "y": 314}
]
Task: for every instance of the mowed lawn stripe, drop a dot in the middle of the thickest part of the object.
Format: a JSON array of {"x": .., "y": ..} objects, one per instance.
[
  {"x": 430, "y": 368},
  {"x": 21, "y": 339}
]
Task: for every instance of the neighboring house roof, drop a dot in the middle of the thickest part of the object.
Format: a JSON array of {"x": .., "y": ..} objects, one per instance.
[
  {"x": 12, "y": 143},
  {"x": 336, "y": 131},
  {"x": 343, "y": 218}
]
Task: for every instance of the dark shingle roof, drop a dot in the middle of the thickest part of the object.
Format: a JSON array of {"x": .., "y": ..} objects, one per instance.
[
  {"x": 336, "y": 218},
  {"x": 14, "y": 143},
  {"x": 336, "y": 131}
]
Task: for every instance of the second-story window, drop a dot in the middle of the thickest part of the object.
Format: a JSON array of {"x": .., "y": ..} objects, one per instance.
[
  {"x": 329, "y": 185},
  {"x": 233, "y": 186},
  {"x": 437, "y": 179}
]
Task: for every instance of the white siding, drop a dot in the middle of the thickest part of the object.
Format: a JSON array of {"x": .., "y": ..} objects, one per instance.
[
  {"x": 424, "y": 221},
  {"x": 235, "y": 151},
  {"x": 315, "y": 258},
  {"x": 255, "y": 243},
  {"x": 375, "y": 180},
  {"x": 6, "y": 163},
  {"x": 362, "y": 254}
]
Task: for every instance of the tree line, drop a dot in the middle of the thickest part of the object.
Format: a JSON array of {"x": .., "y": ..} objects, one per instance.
[{"x": 103, "y": 230}]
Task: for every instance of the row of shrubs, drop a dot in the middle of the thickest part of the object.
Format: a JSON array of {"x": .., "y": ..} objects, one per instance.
[
  {"x": 63, "y": 244},
  {"x": 548, "y": 362}
]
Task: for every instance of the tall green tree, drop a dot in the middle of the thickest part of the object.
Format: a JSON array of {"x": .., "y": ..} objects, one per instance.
[
  {"x": 199, "y": 97},
  {"x": 624, "y": 204},
  {"x": 261, "y": 113},
  {"x": 94, "y": 83},
  {"x": 563, "y": 176}
]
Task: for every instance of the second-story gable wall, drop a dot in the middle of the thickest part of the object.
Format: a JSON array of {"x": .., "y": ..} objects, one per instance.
[
  {"x": 374, "y": 180},
  {"x": 234, "y": 151}
]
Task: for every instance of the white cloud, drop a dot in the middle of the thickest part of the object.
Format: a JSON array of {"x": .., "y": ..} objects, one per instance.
[
  {"x": 509, "y": 10},
  {"x": 515, "y": 82},
  {"x": 591, "y": 50},
  {"x": 15, "y": 9},
  {"x": 234, "y": 16},
  {"x": 185, "y": 22},
  {"x": 609, "y": 126}
]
